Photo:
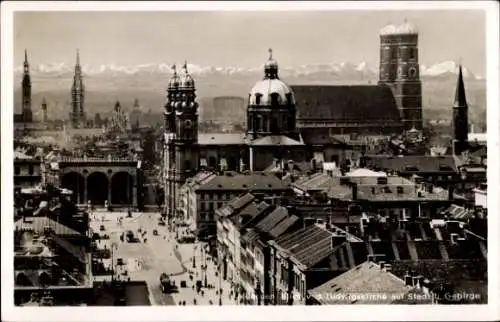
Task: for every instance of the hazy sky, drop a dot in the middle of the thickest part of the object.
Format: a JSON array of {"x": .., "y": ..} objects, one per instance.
[{"x": 242, "y": 38}]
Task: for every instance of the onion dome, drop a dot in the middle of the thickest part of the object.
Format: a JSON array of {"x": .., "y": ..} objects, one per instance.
[
  {"x": 389, "y": 29},
  {"x": 173, "y": 83},
  {"x": 271, "y": 90},
  {"x": 187, "y": 81}
]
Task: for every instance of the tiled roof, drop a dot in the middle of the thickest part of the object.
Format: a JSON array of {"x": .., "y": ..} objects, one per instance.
[
  {"x": 251, "y": 211},
  {"x": 318, "y": 181},
  {"x": 222, "y": 139},
  {"x": 250, "y": 236},
  {"x": 417, "y": 163},
  {"x": 283, "y": 226},
  {"x": 346, "y": 103},
  {"x": 255, "y": 181},
  {"x": 366, "y": 278},
  {"x": 271, "y": 220},
  {"x": 275, "y": 140},
  {"x": 308, "y": 246},
  {"x": 38, "y": 224},
  {"x": 459, "y": 213},
  {"x": 235, "y": 205}
]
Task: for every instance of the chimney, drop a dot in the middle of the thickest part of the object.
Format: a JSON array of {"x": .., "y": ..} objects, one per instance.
[
  {"x": 408, "y": 279},
  {"x": 451, "y": 191},
  {"x": 313, "y": 164}
]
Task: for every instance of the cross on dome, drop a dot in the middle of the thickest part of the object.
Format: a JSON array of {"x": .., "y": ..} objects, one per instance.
[
  {"x": 270, "y": 53},
  {"x": 174, "y": 70}
]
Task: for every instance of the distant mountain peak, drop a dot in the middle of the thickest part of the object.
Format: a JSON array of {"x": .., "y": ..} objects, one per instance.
[{"x": 345, "y": 70}]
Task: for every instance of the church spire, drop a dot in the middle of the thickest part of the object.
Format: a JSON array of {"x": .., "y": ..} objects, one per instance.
[{"x": 460, "y": 98}]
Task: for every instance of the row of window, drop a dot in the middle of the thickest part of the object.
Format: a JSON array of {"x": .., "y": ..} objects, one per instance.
[
  {"x": 206, "y": 216},
  {"x": 210, "y": 206},
  {"x": 275, "y": 99},
  {"x": 395, "y": 54},
  {"x": 215, "y": 196}
]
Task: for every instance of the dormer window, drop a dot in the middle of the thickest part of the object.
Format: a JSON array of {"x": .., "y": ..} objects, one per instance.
[
  {"x": 275, "y": 99},
  {"x": 258, "y": 97}
]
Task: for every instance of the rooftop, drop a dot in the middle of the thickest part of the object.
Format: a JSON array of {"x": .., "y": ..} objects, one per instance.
[
  {"x": 235, "y": 181},
  {"x": 222, "y": 139},
  {"x": 307, "y": 246},
  {"x": 345, "y": 103},
  {"x": 40, "y": 224},
  {"x": 365, "y": 279},
  {"x": 276, "y": 140},
  {"x": 412, "y": 163}
]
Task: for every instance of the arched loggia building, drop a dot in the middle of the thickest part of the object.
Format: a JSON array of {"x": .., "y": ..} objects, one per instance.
[{"x": 97, "y": 180}]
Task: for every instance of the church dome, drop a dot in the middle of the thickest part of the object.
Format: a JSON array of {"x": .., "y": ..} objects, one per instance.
[
  {"x": 263, "y": 91},
  {"x": 388, "y": 30},
  {"x": 271, "y": 89},
  {"x": 186, "y": 81}
]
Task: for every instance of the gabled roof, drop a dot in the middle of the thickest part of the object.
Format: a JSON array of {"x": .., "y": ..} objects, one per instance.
[
  {"x": 276, "y": 140},
  {"x": 366, "y": 278},
  {"x": 250, "y": 212},
  {"x": 283, "y": 226},
  {"x": 271, "y": 220},
  {"x": 346, "y": 103},
  {"x": 308, "y": 246},
  {"x": 316, "y": 182},
  {"x": 222, "y": 139},
  {"x": 235, "y": 205}
]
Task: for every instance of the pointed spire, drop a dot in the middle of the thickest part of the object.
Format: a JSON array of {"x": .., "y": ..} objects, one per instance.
[
  {"x": 460, "y": 98},
  {"x": 270, "y": 53},
  {"x": 78, "y": 57},
  {"x": 185, "y": 66},
  {"x": 25, "y": 56},
  {"x": 174, "y": 69}
]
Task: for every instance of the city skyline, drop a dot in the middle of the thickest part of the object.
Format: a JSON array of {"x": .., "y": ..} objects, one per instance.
[{"x": 166, "y": 37}]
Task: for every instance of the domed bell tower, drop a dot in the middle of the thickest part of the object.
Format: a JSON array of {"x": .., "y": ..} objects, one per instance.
[
  {"x": 399, "y": 69},
  {"x": 181, "y": 137},
  {"x": 186, "y": 127}
]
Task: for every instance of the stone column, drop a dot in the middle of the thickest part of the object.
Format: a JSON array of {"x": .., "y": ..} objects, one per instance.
[
  {"x": 85, "y": 193},
  {"x": 134, "y": 192},
  {"x": 109, "y": 189},
  {"x": 251, "y": 159}
]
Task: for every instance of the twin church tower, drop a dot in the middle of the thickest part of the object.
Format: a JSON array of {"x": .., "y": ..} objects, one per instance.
[{"x": 77, "y": 115}]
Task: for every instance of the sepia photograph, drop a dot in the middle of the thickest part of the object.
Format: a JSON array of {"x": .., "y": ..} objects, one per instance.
[{"x": 167, "y": 155}]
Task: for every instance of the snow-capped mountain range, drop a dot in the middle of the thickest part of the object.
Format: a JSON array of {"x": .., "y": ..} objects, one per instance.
[{"x": 343, "y": 69}]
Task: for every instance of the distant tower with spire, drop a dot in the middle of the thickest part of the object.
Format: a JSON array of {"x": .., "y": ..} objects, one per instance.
[
  {"x": 460, "y": 116},
  {"x": 77, "y": 114},
  {"x": 26, "y": 91},
  {"x": 44, "y": 110}
]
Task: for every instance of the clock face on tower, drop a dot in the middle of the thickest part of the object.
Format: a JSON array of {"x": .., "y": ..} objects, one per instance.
[{"x": 188, "y": 124}]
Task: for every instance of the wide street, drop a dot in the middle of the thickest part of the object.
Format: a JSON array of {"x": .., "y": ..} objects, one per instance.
[{"x": 153, "y": 255}]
